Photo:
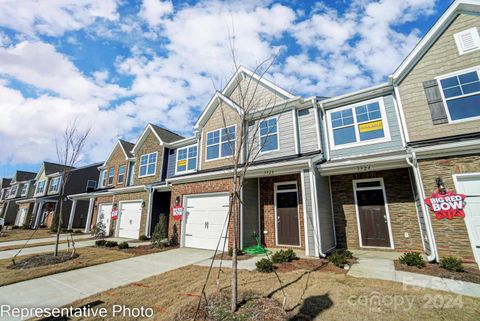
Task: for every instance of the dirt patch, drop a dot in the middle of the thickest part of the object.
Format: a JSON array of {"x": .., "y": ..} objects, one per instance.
[
  {"x": 309, "y": 265},
  {"x": 144, "y": 249},
  {"x": 227, "y": 257},
  {"x": 469, "y": 275},
  {"x": 24, "y": 234},
  {"x": 42, "y": 260}
]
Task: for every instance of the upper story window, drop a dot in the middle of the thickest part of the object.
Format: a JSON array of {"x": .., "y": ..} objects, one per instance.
[
  {"x": 359, "y": 124},
  {"x": 461, "y": 94},
  {"x": 91, "y": 184},
  {"x": 13, "y": 191},
  {"x": 2, "y": 194},
  {"x": 121, "y": 174},
  {"x": 467, "y": 40},
  {"x": 221, "y": 143},
  {"x": 186, "y": 159},
  {"x": 54, "y": 185},
  {"x": 40, "y": 187},
  {"x": 148, "y": 164},
  {"x": 111, "y": 174},
  {"x": 24, "y": 191},
  {"x": 269, "y": 134},
  {"x": 102, "y": 182}
]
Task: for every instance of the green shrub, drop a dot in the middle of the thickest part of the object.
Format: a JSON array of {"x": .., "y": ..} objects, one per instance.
[
  {"x": 100, "y": 242},
  {"x": 340, "y": 257},
  {"x": 284, "y": 256},
  {"x": 160, "y": 233},
  {"x": 452, "y": 263},
  {"x": 143, "y": 238},
  {"x": 123, "y": 245},
  {"x": 264, "y": 266},
  {"x": 239, "y": 252},
  {"x": 412, "y": 259},
  {"x": 111, "y": 244}
]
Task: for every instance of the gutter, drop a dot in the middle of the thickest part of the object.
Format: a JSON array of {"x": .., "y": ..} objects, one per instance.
[{"x": 428, "y": 223}]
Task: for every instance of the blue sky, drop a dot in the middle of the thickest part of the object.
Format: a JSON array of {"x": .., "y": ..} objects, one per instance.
[{"x": 117, "y": 65}]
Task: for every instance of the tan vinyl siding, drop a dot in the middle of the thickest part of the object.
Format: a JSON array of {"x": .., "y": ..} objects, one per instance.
[
  {"x": 442, "y": 58},
  {"x": 251, "y": 95}
]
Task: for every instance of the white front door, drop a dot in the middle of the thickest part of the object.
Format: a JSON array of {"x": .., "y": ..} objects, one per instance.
[
  {"x": 205, "y": 218},
  {"x": 130, "y": 215},
  {"x": 22, "y": 213},
  {"x": 470, "y": 186},
  {"x": 104, "y": 215}
]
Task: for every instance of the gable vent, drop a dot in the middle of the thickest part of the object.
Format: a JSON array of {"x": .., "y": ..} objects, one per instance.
[{"x": 467, "y": 41}]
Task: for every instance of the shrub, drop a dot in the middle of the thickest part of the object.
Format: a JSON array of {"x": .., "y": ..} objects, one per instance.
[
  {"x": 264, "y": 266},
  {"x": 123, "y": 245},
  {"x": 143, "y": 238},
  {"x": 284, "y": 256},
  {"x": 100, "y": 242},
  {"x": 412, "y": 259},
  {"x": 77, "y": 232},
  {"x": 111, "y": 244},
  {"x": 160, "y": 233},
  {"x": 100, "y": 229},
  {"x": 340, "y": 257},
  {"x": 452, "y": 263},
  {"x": 239, "y": 252}
]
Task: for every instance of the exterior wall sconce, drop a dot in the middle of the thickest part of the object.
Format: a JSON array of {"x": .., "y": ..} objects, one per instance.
[{"x": 440, "y": 185}]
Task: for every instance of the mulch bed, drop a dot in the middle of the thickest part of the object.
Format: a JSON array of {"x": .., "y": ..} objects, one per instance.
[
  {"x": 310, "y": 265},
  {"x": 227, "y": 257},
  {"x": 469, "y": 275},
  {"x": 145, "y": 249},
  {"x": 42, "y": 260}
]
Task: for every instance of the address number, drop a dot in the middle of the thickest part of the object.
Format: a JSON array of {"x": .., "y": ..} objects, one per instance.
[
  {"x": 269, "y": 172},
  {"x": 364, "y": 168}
]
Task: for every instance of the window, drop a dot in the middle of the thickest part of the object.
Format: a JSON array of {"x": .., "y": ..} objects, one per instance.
[
  {"x": 111, "y": 174},
  {"x": 186, "y": 159},
  {"x": 148, "y": 164},
  {"x": 220, "y": 143},
  {"x": 13, "y": 191},
  {"x": 467, "y": 41},
  {"x": 24, "y": 191},
  {"x": 103, "y": 178},
  {"x": 54, "y": 185},
  {"x": 121, "y": 174},
  {"x": 91, "y": 184},
  {"x": 40, "y": 187},
  {"x": 359, "y": 124},
  {"x": 268, "y": 135},
  {"x": 461, "y": 93}
]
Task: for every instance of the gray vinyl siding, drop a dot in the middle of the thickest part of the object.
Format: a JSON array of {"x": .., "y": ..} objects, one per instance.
[
  {"x": 307, "y": 130},
  {"x": 325, "y": 217},
  {"x": 172, "y": 157},
  {"x": 250, "y": 224},
  {"x": 394, "y": 144},
  {"x": 286, "y": 138},
  {"x": 308, "y": 208}
]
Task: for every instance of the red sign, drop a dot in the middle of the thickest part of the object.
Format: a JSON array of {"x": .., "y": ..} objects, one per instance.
[
  {"x": 114, "y": 214},
  {"x": 177, "y": 213},
  {"x": 446, "y": 205}
]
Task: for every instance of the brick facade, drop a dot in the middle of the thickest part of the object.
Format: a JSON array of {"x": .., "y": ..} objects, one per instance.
[
  {"x": 140, "y": 196},
  {"x": 451, "y": 236},
  {"x": 150, "y": 144},
  {"x": 401, "y": 207},
  {"x": 116, "y": 160}
]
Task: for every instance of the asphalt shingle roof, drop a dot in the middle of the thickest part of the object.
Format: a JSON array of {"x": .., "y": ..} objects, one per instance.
[
  {"x": 22, "y": 176},
  {"x": 127, "y": 147},
  {"x": 52, "y": 168},
  {"x": 166, "y": 135}
]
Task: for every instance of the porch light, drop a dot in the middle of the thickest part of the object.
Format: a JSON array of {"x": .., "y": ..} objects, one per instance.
[{"x": 440, "y": 185}]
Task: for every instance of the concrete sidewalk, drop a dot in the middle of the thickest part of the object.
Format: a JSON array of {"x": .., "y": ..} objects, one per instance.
[
  {"x": 63, "y": 237},
  {"x": 63, "y": 288},
  {"x": 379, "y": 265}
]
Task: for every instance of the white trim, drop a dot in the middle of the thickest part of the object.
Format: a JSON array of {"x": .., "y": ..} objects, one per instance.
[
  {"x": 186, "y": 165},
  {"x": 36, "y": 193},
  {"x": 445, "y": 100},
  {"x": 382, "y": 187},
  {"x": 313, "y": 192},
  {"x": 476, "y": 39},
  {"x": 200, "y": 150},
  {"x": 275, "y": 191},
  {"x": 111, "y": 174},
  {"x": 260, "y": 136},
  {"x": 384, "y": 119},
  {"x": 403, "y": 127},
  {"x": 140, "y": 165},
  {"x": 295, "y": 130},
  {"x": 119, "y": 208},
  {"x": 208, "y": 111},
  {"x": 111, "y": 153},
  {"x": 305, "y": 220},
  {"x": 124, "y": 174},
  {"x": 220, "y": 143},
  {"x": 25, "y": 186},
  {"x": 317, "y": 126},
  {"x": 470, "y": 230},
  {"x": 57, "y": 189},
  {"x": 141, "y": 138}
]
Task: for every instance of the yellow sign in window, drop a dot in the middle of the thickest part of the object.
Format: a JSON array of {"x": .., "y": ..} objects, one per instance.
[
  {"x": 181, "y": 163},
  {"x": 371, "y": 126}
]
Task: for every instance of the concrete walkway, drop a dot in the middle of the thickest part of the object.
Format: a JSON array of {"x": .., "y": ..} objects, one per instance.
[
  {"x": 63, "y": 237},
  {"x": 379, "y": 265},
  {"x": 63, "y": 288}
]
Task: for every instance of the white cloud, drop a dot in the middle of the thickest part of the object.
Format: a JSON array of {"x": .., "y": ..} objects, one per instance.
[{"x": 153, "y": 11}]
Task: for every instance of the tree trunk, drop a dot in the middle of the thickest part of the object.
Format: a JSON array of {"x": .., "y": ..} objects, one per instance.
[
  {"x": 234, "y": 250},
  {"x": 57, "y": 241}
]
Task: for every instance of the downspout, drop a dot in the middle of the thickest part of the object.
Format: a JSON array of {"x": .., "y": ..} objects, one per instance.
[
  {"x": 428, "y": 223},
  {"x": 316, "y": 227},
  {"x": 150, "y": 191}
]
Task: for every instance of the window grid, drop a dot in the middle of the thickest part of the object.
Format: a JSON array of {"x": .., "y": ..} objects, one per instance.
[
  {"x": 186, "y": 159},
  {"x": 54, "y": 185},
  {"x": 121, "y": 174},
  {"x": 148, "y": 164},
  {"x": 269, "y": 135},
  {"x": 111, "y": 174},
  {"x": 24, "y": 189},
  {"x": 220, "y": 143},
  {"x": 40, "y": 187}
]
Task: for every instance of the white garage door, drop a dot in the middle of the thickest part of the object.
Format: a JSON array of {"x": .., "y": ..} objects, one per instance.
[
  {"x": 470, "y": 186},
  {"x": 206, "y": 215},
  {"x": 105, "y": 214},
  {"x": 130, "y": 215},
  {"x": 21, "y": 215}
]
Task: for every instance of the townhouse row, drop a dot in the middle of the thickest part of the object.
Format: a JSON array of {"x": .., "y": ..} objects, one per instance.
[{"x": 351, "y": 171}]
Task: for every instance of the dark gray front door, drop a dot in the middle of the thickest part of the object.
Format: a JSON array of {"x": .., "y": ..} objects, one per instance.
[
  {"x": 373, "y": 218},
  {"x": 287, "y": 219}
]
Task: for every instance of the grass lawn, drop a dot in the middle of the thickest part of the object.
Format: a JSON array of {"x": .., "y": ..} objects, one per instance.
[
  {"x": 319, "y": 295},
  {"x": 20, "y": 234},
  {"x": 88, "y": 256},
  {"x": 16, "y": 247}
]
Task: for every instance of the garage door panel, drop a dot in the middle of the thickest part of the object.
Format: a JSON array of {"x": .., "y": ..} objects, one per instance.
[
  {"x": 130, "y": 216},
  {"x": 106, "y": 210}
]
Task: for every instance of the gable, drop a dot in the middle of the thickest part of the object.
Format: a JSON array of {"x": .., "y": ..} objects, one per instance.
[
  {"x": 116, "y": 154},
  {"x": 147, "y": 133}
]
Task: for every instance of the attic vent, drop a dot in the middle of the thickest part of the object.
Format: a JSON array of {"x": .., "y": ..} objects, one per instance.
[
  {"x": 467, "y": 41},
  {"x": 303, "y": 112}
]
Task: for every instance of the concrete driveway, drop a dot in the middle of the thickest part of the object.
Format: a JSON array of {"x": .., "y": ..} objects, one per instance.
[{"x": 63, "y": 288}]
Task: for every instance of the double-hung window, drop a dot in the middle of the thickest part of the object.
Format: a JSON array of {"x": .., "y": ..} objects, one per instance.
[
  {"x": 24, "y": 189},
  {"x": 186, "y": 159},
  {"x": 13, "y": 191},
  {"x": 461, "y": 93},
  {"x": 111, "y": 174},
  {"x": 148, "y": 164},
  {"x": 54, "y": 185},
  {"x": 221, "y": 143},
  {"x": 121, "y": 174},
  {"x": 358, "y": 124},
  {"x": 269, "y": 134},
  {"x": 103, "y": 178},
  {"x": 40, "y": 187}
]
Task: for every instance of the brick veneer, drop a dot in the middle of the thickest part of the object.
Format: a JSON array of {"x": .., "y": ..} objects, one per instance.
[
  {"x": 116, "y": 160},
  {"x": 451, "y": 236},
  {"x": 151, "y": 144},
  {"x": 143, "y": 196},
  {"x": 401, "y": 207}
]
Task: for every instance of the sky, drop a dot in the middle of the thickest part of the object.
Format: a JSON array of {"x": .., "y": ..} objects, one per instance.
[{"x": 116, "y": 65}]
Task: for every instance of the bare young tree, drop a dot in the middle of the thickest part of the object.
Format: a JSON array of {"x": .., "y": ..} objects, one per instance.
[{"x": 69, "y": 148}]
